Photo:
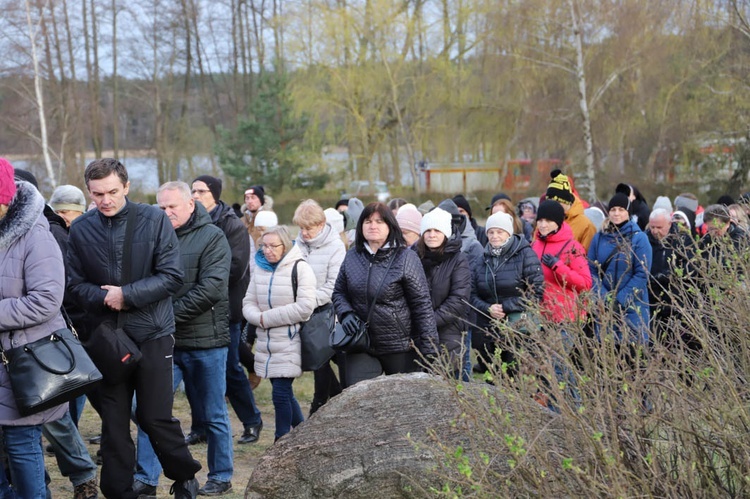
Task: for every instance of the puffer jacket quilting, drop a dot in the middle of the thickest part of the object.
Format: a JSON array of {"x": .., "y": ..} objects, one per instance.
[
  {"x": 33, "y": 282},
  {"x": 510, "y": 279},
  {"x": 271, "y": 296},
  {"x": 201, "y": 306},
  {"x": 325, "y": 253},
  {"x": 450, "y": 291},
  {"x": 403, "y": 311}
]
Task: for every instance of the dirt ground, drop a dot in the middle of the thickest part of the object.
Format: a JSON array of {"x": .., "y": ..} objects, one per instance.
[{"x": 245, "y": 456}]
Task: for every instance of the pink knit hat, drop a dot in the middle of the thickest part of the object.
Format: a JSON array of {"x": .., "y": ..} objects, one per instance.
[
  {"x": 409, "y": 218},
  {"x": 7, "y": 182}
]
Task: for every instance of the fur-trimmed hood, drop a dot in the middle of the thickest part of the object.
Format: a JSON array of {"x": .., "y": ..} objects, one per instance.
[{"x": 23, "y": 212}]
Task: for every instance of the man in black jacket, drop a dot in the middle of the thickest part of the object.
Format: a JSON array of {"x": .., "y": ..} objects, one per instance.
[
  {"x": 207, "y": 191},
  {"x": 95, "y": 254},
  {"x": 202, "y": 336}
]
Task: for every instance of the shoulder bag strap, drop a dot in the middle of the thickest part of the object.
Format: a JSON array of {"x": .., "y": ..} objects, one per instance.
[
  {"x": 127, "y": 254},
  {"x": 294, "y": 280},
  {"x": 380, "y": 288}
]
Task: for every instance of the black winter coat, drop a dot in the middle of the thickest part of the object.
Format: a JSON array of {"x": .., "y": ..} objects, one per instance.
[
  {"x": 668, "y": 255},
  {"x": 95, "y": 249},
  {"x": 201, "y": 306},
  {"x": 224, "y": 217},
  {"x": 449, "y": 280},
  {"x": 403, "y": 312},
  {"x": 507, "y": 279}
]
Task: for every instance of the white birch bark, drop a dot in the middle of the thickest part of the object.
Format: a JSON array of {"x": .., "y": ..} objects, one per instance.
[
  {"x": 39, "y": 97},
  {"x": 583, "y": 102}
]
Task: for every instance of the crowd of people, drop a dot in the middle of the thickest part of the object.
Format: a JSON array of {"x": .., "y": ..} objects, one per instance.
[{"x": 209, "y": 288}]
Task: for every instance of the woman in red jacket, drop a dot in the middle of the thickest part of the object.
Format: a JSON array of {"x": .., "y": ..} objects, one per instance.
[
  {"x": 564, "y": 264},
  {"x": 566, "y": 274}
]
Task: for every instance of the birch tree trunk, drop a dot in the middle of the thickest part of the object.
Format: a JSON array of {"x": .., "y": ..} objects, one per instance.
[
  {"x": 583, "y": 102},
  {"x": 39, "y": 97}
]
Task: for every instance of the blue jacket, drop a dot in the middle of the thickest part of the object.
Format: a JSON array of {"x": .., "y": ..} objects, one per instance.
[{"x": 620, "y": 262}]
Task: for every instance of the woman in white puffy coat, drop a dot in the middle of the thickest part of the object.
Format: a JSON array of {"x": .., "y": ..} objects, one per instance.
[
  {"x": 271, "y": 306},
  {"x": 322, "y": 248}
]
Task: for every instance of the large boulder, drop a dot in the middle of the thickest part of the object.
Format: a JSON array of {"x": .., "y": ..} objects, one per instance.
[{"x": 362, "y": 443}]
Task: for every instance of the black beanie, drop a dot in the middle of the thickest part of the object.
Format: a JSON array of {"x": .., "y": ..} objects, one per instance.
[
  {"x": 259, "y": 192},
  {"x": 551, "y": 210},
  {"x": 619, "y": 199},
  {"x": 213, "y": 183},
  {"x": 26, "y": 176},
  {"x": 725, "y": 199},
  {"x": 462, "y": 203}
]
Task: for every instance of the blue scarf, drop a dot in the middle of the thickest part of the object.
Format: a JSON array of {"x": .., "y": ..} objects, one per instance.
[{"x": 260, "y": 261}]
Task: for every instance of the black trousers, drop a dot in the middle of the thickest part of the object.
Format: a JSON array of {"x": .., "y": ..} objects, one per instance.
[
  {"x": 361, "y": 366},
  {"x": 152, "y": 384}
]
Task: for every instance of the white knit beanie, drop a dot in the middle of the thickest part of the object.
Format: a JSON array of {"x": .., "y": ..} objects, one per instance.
[
  {"x": 266, "y": 219},
  {"x": 437, "y": 219},
  {"x": 409, "y": 218},
  {"x": 334, "y": 219},
  {"x": 500, "y": 220},
  {"x": 663, "y": 202}
]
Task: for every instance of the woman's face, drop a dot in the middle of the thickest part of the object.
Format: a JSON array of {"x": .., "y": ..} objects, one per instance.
[
  {"x": 498, "y": 207},
  {"x": 375, "y": 230},
  {"x": 618, "y": 215},
  {"x": 546, "y": 226},
  {"x": 272, "y": 248},
  {"x": 433, "y": 238},
  {"x": 410, "y": 237},
  {"x": 311, "y": 232},
  {"x": 497, "y": 237}
]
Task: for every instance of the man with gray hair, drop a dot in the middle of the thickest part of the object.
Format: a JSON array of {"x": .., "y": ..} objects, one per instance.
[
  {"x": 201, "y": 313},
  {"x": 672, "y": 249}
]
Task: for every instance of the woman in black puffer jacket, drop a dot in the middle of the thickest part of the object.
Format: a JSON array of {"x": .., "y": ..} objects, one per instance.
[
  {"x": 503, "y": 281},
  {"x": 402, "y": 317},
  {"x": 449, "y": 278}
]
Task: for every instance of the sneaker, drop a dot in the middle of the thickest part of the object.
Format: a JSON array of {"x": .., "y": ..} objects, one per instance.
[
  {"x": 144, "y": 490},
  {"x": 251, "y": 434},
  {"x": 194, "y": 438},
  {"x": 50, "y": 450},
  {"x": 215, "y": 488},
  {"x": 185, "y": 490},
  {"x": 97, "y": 440},
  {"x": 87, "y": 490}
]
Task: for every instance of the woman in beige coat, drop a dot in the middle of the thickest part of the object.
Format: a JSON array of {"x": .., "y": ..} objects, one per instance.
[{"x": 278, "y": 310}]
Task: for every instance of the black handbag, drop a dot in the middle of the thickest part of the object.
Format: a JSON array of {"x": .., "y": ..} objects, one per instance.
[
  {"x": 49, "y": 371},
  {"x": 112, "y": 350},
  {"x": 359, "y": 342},
  {"x": 314, "y": 333}
]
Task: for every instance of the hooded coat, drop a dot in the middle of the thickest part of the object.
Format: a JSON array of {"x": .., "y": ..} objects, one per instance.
[
  {"x": 449, "y": 280},
  {"x": 508, "y": 279},
  {"x": 201, "y": 306},
  {"x": 223, "y": 216},
  {"x": 567, "y": 278},
  {"x": 583, "y": 228},
  {"x": 33, "y": 282},
  {"x": 620, "y": 262},
  {"x": 270, "y": 296},
  {"x": 324, "y": 253}
]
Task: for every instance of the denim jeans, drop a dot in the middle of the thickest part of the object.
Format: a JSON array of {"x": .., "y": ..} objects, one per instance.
[
  {"x": 288, "y": 412},
  {"x": 75, "y": 407},
  {"x": 71, "y": 453},
  {"x": 203, "y": 372},
  {"x": 239, "y": 393},
  {"x": 23, "y": 444},
  {"x": 466, "y": 367}
]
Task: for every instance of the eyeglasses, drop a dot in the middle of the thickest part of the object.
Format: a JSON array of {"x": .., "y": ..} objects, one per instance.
[
  {"x": 200, "y": 191},
  {"x": 264, "y": 247}
]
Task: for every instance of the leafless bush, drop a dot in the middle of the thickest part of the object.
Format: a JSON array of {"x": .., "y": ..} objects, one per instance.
[{"x": 668, "y": 419}]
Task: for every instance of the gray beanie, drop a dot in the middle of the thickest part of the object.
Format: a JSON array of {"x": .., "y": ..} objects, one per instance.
[
  {"x": 68, "y": 197},
  {"x": 663, "y": 202}
]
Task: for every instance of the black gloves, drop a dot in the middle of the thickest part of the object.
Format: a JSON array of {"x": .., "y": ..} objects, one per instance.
[
  {"x": 349, "y": 324},
  {"x": 549, "y": 260}
]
